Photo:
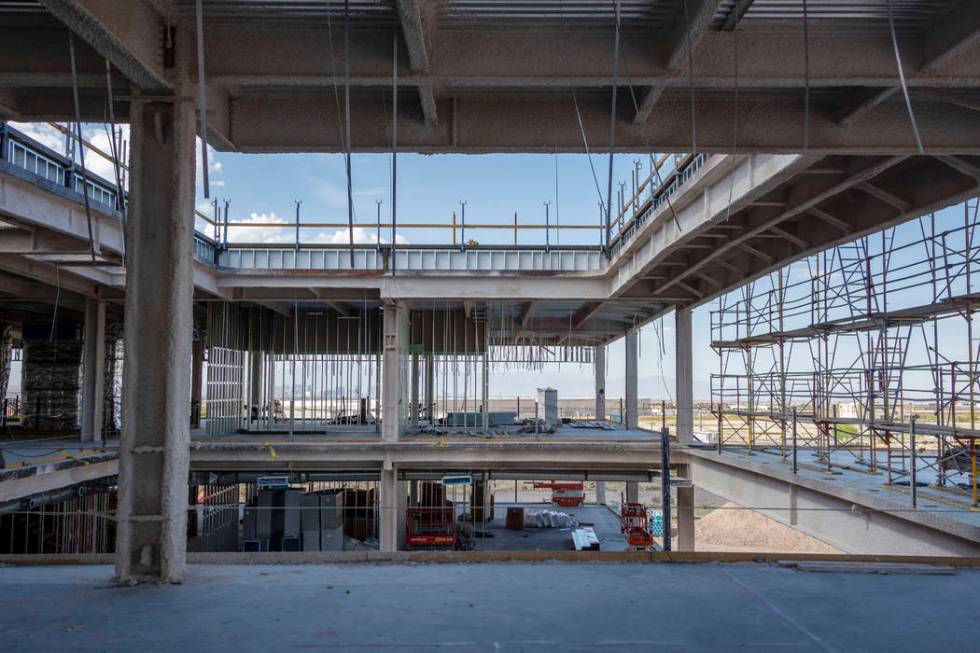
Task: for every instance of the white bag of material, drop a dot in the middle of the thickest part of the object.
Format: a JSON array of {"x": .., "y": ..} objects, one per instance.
[{"x": 548, "y": 519}]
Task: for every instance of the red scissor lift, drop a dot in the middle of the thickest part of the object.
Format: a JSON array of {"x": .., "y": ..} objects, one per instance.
[
  {"x": 430, "y": 527},
  {"x": 635, "y": 525},
  {"x": 567, "y": 495}
]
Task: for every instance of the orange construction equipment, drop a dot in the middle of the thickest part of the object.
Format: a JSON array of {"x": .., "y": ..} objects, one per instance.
[
  {"x": 430, "y": 527},
  {"x": 567, "y": 495},
  {"x": 636, "y": 525}
]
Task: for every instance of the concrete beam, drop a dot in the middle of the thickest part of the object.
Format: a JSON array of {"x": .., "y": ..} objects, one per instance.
[
  {"x": 132, "y": 39},
  {"x": 416, "y": 19},
  {"x": 952, "y": 37},
  {"x": 692, "y": 23},
  {"x": 151, "y": 539},
  {"x": 526, "y": 120}
]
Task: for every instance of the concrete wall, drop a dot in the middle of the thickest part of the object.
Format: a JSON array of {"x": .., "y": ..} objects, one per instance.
[{"x": 837, "y": 521}]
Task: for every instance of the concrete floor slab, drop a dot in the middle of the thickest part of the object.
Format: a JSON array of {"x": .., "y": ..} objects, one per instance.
[{"x": 484, "y": 607}]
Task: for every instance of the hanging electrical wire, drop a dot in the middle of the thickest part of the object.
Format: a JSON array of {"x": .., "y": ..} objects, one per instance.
[
  {"x": 690, "y": 74},
  {"x": 901, "y": 78},
  {"x": 202, "y": 101},
  {"x": 347, "y": 140},
  {"x": 394, "y": 148},
  {"x": 612, "y": 132},
  {"x": 115, "y": 152},
  {"x": 806, "y": 79},
  {"x": 93, "y": 247},
  {"x": 731, "y": 181}
]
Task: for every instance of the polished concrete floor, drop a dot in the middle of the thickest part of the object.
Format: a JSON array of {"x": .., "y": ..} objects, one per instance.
[{"x": 488, "y": 607}]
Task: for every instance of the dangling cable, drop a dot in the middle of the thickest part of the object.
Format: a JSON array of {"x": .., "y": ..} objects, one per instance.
[
  {"x": 612, "y": 133},
  {"x": 646, "y": 140},
  {"x": 202, "y": 102},
  {"x": 690, "y": 74},
  {"x": 394, "y": 148},
  {"x": 901, "y": 77},
  {"x": 81, "y": 146},
  {"x": 731, "y": 185},
  {"x": 114, "y": 150},
  {"x": 588, "y": 154},
  {"x": 347, "y": 148},
  {"x": 806, "y": 79}
]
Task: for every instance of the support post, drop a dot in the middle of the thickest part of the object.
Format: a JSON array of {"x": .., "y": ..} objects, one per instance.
[
  {"x": 684, "y": 375},
  {"x": 600, "y": 492},
  {"x": 665, "y": 484},
  {"x": 197, "y": 381},
  {"x": 93, "y": 371},
  {"x": 392, "y": 503},
  {"x": 154, "y": 452},
  {"x": 394, "y": 372},
  {"x": 632, "y": 405},
  {"x": 414, "y": 414},
  {"x": 254, "y": 386},
  {"x": 430, "y": 389},
  {"x": 485, "y": 386},
  {"x": 685, "y": 518},
  {"x": 600, "y": 383}
]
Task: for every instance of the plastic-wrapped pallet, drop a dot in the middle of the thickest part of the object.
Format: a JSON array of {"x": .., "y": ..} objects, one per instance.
[{"x": 548, "y": 519}]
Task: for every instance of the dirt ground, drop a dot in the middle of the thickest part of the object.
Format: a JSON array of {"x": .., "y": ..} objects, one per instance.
[
  {"x": 733, "y": 528},
  {"x": 719, "y": 525}
]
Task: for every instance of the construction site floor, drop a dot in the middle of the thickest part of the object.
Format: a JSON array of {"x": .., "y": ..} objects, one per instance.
[{"x": 490, "y": 607}]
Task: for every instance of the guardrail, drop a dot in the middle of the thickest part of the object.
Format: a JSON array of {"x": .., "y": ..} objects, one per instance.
[{"x": 226, "y": 243}]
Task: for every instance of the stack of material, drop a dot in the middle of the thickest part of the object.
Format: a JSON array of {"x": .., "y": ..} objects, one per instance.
[
  {"x": 359, "y": 514},
  {"x": 515, "y": 519},
  {"x": 323, "y": 521},
  {"x": 548, "y": 519}
]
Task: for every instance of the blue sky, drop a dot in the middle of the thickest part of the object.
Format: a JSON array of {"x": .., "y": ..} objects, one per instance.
[{"x": 264, "y": 187}]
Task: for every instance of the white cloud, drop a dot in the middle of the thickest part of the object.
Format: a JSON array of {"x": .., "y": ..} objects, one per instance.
[{"x": 362, "y": 236}]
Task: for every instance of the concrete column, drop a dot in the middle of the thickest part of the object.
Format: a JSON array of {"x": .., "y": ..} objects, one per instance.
[
  {"x": 430, "y": 388},
  {"x": 684, "y": 375},
  {"x": 600, "y": 492},
  {"x": 394, "y": 372},
  {"x": 632, "y": 491},
  {"x": 154, "y": 456},
  {"x": 93, "y": 371},
  {"x": 631, "y": 405},
  {"x": 392, "y": 503},
  {"x": 685, "y": 518},
  {"x": 414, "y": 414},
  {"x": 600, "y": 382},
  {"x": 197, "y": 380}
]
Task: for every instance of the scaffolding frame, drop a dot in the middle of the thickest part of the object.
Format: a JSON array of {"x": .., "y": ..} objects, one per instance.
[{"x": 865, "y": 354}]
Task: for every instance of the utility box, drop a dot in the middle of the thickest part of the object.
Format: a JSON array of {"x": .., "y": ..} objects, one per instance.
[
  {"x": 331, "y": 509},
  {"x": 548, "y": 406},
  {"x": 332, "y": 539}
]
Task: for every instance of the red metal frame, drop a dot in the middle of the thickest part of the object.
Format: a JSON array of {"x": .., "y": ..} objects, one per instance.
[
  {"x": 560, "y": 499},
  {"x": 430, "y": 527},
  {"x": 635, "y": 524}
]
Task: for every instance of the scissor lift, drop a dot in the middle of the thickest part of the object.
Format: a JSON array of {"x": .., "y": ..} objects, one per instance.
[{"x": 635, "y": 524}]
